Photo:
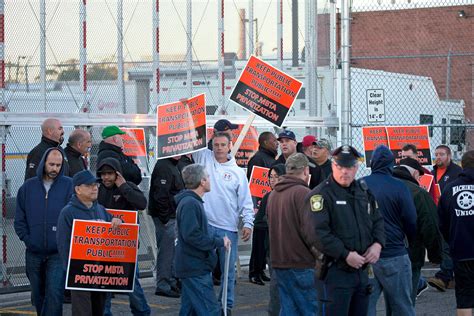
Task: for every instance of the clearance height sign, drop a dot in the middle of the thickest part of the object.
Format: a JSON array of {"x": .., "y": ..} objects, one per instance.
[
  {"x": 181, "y": 127},
  {"x": 266, "y": 91},
  {"x": 102, "y": 258}
]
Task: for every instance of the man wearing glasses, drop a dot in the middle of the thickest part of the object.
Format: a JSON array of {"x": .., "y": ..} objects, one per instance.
[{"x": 349, "y": 234}]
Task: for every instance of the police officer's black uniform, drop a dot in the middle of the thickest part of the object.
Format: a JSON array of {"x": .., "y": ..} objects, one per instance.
[{"x": 346, "y": 219}]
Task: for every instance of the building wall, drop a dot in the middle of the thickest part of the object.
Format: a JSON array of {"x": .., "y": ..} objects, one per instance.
[{"x": 422, "y": 32}]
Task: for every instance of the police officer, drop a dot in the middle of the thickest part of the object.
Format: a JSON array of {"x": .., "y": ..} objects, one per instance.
[{"x": 349, "y": 234}]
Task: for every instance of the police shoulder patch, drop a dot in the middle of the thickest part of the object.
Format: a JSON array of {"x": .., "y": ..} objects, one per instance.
[{"x": 317, "y": 203}]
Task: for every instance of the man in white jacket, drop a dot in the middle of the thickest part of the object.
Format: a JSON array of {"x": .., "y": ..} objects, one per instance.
[{"x": 230, "y": 198}]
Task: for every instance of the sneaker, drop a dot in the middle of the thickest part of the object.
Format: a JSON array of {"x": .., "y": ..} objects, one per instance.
[
  {"x": 438, "y": 284},
  {"x": 422, "y": 289},
  {"x": 169, "y": 293}
]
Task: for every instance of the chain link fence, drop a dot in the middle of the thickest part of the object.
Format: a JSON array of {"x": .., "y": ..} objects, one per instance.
[{"x": 413, "y": 65}]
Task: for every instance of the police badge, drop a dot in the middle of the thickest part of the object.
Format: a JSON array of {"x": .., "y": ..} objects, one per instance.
[{"x": 317, "y": 202}]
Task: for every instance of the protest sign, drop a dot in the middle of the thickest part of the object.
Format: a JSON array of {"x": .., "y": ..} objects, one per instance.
[
  {"x": 426, "y": 181},
  {"x": 399, "y": 136},
  {"x": 181, "y": 127},
  {"x": 102, "y": 258},
  {"x": 266, "y": 91},
  {"x": 437, "y": 193},
  {"x": 134, "y": 142},
  {"x": 259, "y": 184},
  {"x": 247, "y": 148},
  {"x": 129, "y": 217},
  {"x": 373, "y": 137}
]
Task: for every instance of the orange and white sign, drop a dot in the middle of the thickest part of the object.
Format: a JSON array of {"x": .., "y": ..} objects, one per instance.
[
  {"x": 373, "y": 136},
  {"x": 134, "y": 142},
  {"x": 181, "y": 127},
  {"x": 259, "y": 184},
  {"x": 399, "y": 136},
  {"x": 102, "y": 258},
  {"x": 266, "y": 91},
  {"x": 129, "y": 217},
  {"x": 426, "y": 181}
]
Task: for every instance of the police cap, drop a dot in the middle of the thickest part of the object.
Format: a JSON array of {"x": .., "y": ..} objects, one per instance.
[{"x": 345, "y": 156}]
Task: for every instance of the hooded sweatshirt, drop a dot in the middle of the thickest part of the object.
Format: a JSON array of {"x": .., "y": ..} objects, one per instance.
[
  {"x": 230, "y": 193},
  {"x": 456, "y": 215},
  {"x": 395, "y": 203},
  {"x": 75, "y": 209},
  {"x": 37, "y": 211},
  {"x": 126, "y": 197},
  {"x": 286, "y": 221},
  {"x": 427, "y": 232},
  {"x": 131, "y": 172},
  {"x": 195, "y": 250}
]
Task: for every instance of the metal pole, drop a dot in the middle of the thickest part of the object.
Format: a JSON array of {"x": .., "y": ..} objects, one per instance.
[
  {"x": 27, "y": 83},
  {"x": 307, "y": 57},
  {"x": 189, "y": 54},
  {"x": 314, "y": 57},
  {"x": 83, "y": 53},
  {"x": 280, "y": 34},
  {"x": 294, "y": 33},
  {"x": 120, "y": 72},
  {"x": 3, "y": 106},
  {"x": 220, "y": 55},
  {"x": 448, "y": 75},
  {"x": 346, "y": 80},
  {"x": 333, "y": 65},
  {"x": 43, "y": 51},
  {"x": 3, "y": 142},
  {"x": 251, "y": 37},
  {"x": 156, "y": 54}
]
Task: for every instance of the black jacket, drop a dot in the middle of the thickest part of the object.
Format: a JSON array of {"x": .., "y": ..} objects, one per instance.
[
  {"x": 35, "y": 155},
  {"x": 131, "y": 172},
  {"x": 452, "y": 173},
  {"x": 262, "y": 158},
  {"x": 126, "y": 197},
  {"x": 316, "y": 172},
  {"x": 345, "y": 219},
  {"x": 427, "y": 232},
  {"x": 75, "y": 160},
  {"x": 456, "y": 216},
  {"x": 184, "y": 161},
  {"x": 166, "y": 182}
]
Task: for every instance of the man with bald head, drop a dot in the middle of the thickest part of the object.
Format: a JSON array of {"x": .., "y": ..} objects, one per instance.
[
  {"x": 78, "y": 145},
  {"x": 52, "y": 136}
]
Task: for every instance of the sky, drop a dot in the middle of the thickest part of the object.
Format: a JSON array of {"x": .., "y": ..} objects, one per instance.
[{"x": 22, "y": 27}]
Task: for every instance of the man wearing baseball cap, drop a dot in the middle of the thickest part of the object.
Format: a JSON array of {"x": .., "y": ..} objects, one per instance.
[
  {"x": 321, "y": 154},
  {"x": 83, "y": 205},
  {"x": 224, "y": 126},
  {"x": 288, "y": 145},
  {"x": 111, "y": 146}
]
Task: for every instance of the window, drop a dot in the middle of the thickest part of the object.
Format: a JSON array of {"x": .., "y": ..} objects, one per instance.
[
  {"x": 457, "y": 134},
  {"x": 427, "y": 120}
]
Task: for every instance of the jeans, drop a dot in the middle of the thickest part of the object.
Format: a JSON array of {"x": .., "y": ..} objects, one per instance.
[
  {"x": 47, "y": 278},
  {"x": 447, "y": 266},
  {"x": 274, "y": 302},
  {"x": 165, "y": 241},
  {"x": 87, "y": 303},
  {"x": 138, "y": 304},
  {"x": 393, "y": 276},
  {"x": 198, "y": 297},
  {"x": 297, "y": 292},
  {"x": 343, "y": 293},
  {"x": 233, "y": 236}
]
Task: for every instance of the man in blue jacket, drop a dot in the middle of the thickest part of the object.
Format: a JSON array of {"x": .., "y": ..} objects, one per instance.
[
  {"x": 82, "y": 205},
  {"x": 393, "y": 270},
  {"x": 39, "y": 202},
  {"x": 456, "y": 222},
  {"x": 195, "y": 255}
]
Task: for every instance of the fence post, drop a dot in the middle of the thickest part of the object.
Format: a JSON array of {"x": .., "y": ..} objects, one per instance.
[{"x": 3, "y": 141}]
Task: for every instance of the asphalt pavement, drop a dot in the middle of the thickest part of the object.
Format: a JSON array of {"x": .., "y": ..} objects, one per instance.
[{"x": 250, "y": 299}]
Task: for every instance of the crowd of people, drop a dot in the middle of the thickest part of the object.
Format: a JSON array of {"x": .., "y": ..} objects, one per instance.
[{"x": 332, "y": 243}]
